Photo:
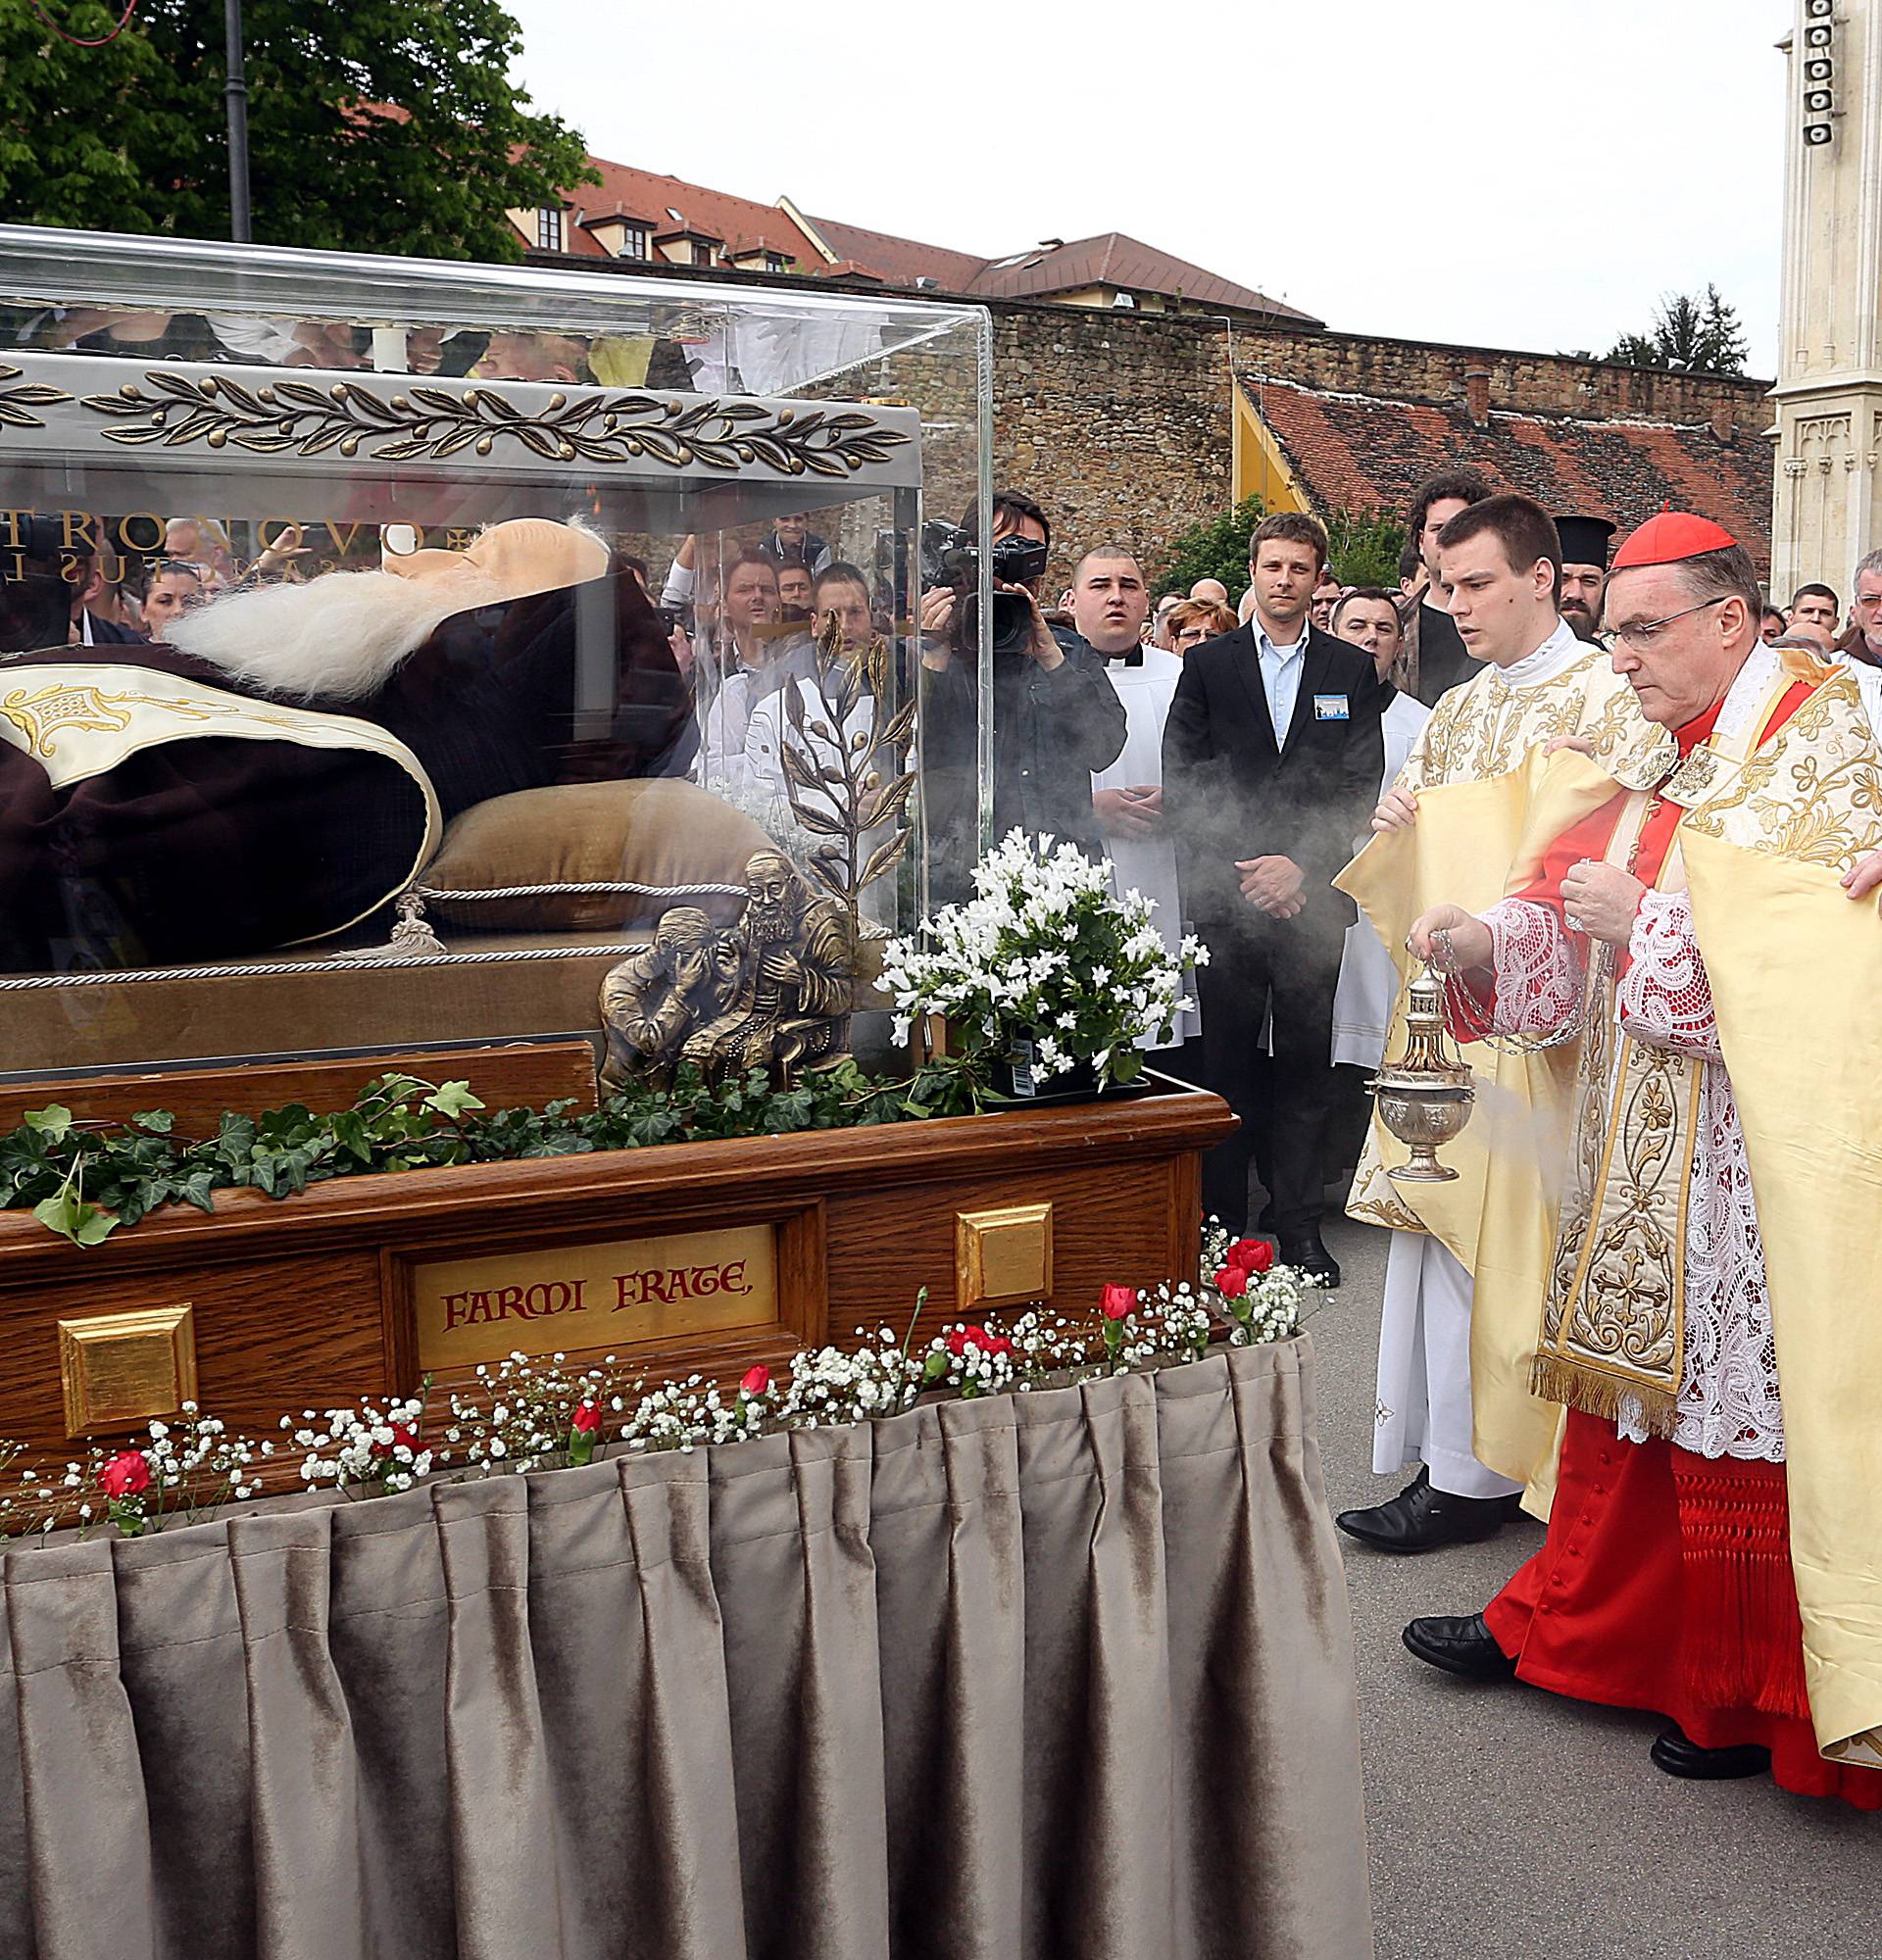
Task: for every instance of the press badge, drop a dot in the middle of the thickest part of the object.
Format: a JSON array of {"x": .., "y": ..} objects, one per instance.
[{"x": 1331, "y": 707}]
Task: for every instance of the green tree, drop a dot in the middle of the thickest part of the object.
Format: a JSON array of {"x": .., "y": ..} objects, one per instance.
[
  {"x": 382, "y": 126},
  {"x": 1693, "y": 333},
  {"x": 1364, "y": 548},
  {"x": 1217, "y": 549}
]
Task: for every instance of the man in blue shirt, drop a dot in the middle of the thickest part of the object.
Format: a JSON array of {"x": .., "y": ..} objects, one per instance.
[{"x": 1271, "y": 758}]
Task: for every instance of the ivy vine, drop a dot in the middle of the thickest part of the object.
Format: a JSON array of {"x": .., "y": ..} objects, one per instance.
[{"x": 87, "y": 1180}]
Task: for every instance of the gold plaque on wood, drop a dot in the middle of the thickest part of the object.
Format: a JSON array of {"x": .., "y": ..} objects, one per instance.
[
  {"x": 122, "y": 1368},
  {"x": 1003, "y": 1258},
  {"x": 617, "y": 1293}
]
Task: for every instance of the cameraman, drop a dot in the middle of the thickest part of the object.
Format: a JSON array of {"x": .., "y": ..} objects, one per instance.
[{"x": 1056, "y": 716}]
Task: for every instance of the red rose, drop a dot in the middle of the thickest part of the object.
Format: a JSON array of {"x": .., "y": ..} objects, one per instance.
[
  {"x": 1118, "y": 1302},
  {"x": 1242, "y": 1254},
  {"x": 126, "y": 1475},
  {"x": 756, "y": 1380},
  {"x": 588, "y": 1418},
  {"x": 400, "y": 1434},
  {"x": 997, "y": 1344},
  {"x": 1231, "y": 1282},
  {"x": 963, "y": 1337},
  {"x": 1259, "y": 1259}
]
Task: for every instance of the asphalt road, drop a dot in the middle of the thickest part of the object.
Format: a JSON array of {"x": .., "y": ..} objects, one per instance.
[{"x": 1508, "y": 1825}]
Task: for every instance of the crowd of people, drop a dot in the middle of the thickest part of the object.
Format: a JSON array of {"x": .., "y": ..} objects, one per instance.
[
  {"x": 1123, "y": 720},
  {"x": 1294, "y": 772}
]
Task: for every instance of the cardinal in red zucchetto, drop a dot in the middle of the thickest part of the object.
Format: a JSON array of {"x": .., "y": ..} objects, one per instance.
[{"x": 1714, "y": 1548}]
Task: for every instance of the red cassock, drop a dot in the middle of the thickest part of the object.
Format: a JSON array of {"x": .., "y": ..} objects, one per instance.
[{"x": 1666, "y": 1583}]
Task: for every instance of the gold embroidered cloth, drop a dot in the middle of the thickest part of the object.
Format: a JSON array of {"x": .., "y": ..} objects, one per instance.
[
  {"x": 1796, "y": 970},
  {"x": 1489, "y": 802},
  {"x": 1762, "y": 849},
  {"x": 82, "y": 719}
]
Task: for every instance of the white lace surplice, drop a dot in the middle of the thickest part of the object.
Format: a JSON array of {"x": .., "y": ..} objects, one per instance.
[{"x": 1728, "y": 1399}]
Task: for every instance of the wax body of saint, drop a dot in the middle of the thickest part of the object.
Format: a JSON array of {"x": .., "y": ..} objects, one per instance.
[
  {"x": 1453, "y": 1385},
  {"x": 1666, "y": 1580},
  {"x": 1147, "y": 864}
]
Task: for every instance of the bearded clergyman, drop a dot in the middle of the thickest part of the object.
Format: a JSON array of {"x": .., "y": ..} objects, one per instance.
[
  {"x": 797, "y": 979},
  {"x": 1714, "y": 1548}
]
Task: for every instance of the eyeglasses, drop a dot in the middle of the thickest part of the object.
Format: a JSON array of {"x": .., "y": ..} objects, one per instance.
[{"x": 1643, "y": 635}]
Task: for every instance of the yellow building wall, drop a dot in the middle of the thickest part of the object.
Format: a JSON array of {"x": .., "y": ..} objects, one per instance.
[{"x": 1259, "y": 467}]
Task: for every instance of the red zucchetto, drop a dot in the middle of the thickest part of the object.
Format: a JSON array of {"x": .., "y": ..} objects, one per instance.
[{"x": 1670, "y": 537}]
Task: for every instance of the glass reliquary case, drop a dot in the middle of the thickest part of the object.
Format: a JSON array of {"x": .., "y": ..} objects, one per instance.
[{"x": 393, "y": 653}]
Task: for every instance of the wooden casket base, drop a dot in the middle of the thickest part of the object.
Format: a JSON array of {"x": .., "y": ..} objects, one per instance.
[{"x": 706, "y": 1256}]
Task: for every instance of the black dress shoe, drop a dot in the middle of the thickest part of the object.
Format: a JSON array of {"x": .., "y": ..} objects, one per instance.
[
  {"x": 1679, "y": 1756},
  {"x": 1310, "y": 1257},
  {"x": 1459, "y": 1645},
  {"x": 1422, "y": 1519}
]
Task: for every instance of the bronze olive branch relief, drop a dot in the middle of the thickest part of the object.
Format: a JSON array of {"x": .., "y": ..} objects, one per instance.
[
  {"x": 16, "y": 403},
  {"x": 437, "y": 423},
  {"x": 846, "y": 784}
]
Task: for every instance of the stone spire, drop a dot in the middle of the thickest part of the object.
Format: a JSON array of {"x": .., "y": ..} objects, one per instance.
[{"x": 1828, "y": 502}]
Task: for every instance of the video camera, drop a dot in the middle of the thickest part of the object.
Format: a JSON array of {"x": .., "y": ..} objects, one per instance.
[{"x": 951, "y": 557}]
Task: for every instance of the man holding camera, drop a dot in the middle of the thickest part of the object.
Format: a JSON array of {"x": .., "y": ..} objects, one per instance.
[
  {"x": 1273, "y": 754},
  {"x": 1056, "y": 716}
]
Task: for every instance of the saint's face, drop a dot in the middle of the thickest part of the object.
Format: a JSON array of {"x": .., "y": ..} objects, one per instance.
[{"x": 769, "y": 886}]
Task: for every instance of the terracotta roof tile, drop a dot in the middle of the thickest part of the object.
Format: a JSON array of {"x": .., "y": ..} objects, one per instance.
[
  {"x": 1363, "y": 453},
  {"x": 1113, "y": 258},
  {"x": 901, "y": 259},
  {"x": 714, "y": 213}
]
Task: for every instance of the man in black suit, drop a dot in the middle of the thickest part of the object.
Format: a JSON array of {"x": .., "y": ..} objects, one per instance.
[{"x": 1271, "y": 760}]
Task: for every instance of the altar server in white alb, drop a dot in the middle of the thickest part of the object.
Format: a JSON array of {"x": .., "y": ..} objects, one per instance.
[
  {"x": 1460, "y": 807},
  {"x": 1368, "y": 618},
  {"x": 1110, "y": 603}
]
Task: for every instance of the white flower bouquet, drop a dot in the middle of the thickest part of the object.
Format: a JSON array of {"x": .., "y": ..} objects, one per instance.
[{"x": 1044, "y": 964}]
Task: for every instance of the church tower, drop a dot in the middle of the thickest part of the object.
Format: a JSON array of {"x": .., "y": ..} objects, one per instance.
[{"x": 1828, "y": 495}]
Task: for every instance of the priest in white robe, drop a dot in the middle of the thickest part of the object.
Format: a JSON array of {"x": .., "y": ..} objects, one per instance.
[
  {"x": 1369, "y": 619},
  {"x": 1110, "y": 604}
]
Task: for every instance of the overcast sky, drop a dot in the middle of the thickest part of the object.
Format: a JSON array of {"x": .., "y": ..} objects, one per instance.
[{"x": 1495, "y": 171}]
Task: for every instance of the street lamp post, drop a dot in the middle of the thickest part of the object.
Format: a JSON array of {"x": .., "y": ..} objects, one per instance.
[{"x": 236, "y": 91}]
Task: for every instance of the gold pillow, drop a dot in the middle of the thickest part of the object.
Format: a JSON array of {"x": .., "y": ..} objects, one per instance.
[{"x": 660, "y": 833}]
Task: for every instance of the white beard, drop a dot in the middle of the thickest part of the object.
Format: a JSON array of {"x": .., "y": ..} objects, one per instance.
[{"x": 338, "y": 637}]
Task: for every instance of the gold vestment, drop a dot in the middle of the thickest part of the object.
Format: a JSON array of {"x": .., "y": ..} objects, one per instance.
[
  {"x": 1490, "y": 801},
  {"x": 1794, "y": 969}
]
